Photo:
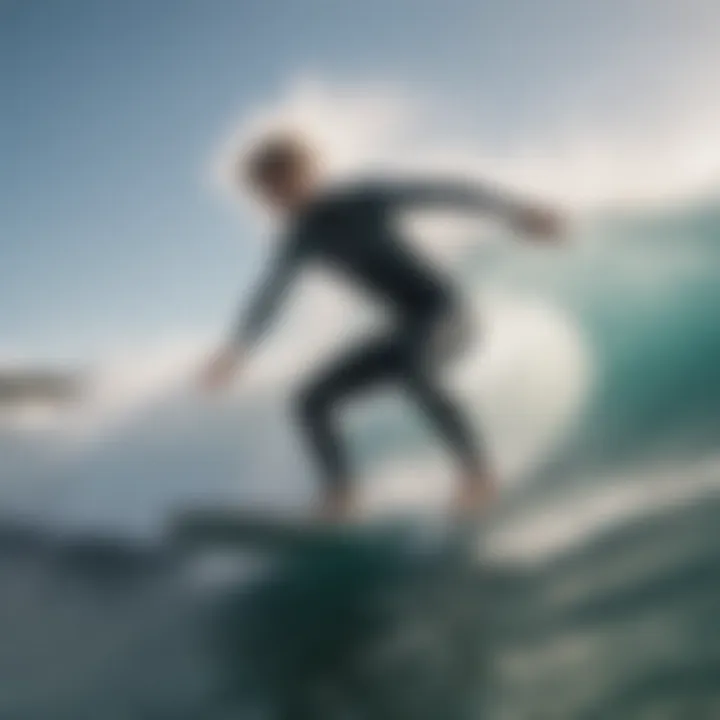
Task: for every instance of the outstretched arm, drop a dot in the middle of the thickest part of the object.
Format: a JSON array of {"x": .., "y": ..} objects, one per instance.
[
  {"x": 267, "y": 300},
  {"x": 477, "y": 198},
  {"x": 255, "y": 321}
]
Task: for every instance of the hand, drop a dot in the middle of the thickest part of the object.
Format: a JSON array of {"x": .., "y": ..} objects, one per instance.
[
  {"x": 221, "y": 369},
  {"x": 540, "y": 222}
]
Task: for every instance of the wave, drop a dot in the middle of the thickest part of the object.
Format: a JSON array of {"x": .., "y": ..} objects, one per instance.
[{"x": 621, "y": 618}]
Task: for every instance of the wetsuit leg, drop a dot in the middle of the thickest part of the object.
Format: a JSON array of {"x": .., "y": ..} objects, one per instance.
[
  {"x": 402, "y": 357},
  {"x": 426, "y": 343},
  {"x": 447, "y": 418},
  {"x": 368, "y": 364}
]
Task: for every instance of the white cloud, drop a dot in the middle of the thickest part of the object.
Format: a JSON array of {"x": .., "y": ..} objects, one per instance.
[{"x": 671, "y": 154}]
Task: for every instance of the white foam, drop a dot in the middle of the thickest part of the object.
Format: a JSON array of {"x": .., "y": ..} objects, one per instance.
[
  {"x": 557, "y": 524},
  {"x": 129, "y": 451}
]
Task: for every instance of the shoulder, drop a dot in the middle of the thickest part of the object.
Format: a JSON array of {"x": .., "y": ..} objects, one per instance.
[
  {"x": 337, "y": 205},
  {"x": 360, "y": 192}
]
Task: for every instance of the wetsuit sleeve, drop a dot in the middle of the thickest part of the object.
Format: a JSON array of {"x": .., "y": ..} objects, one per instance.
[
  {"x": 267, "y": 299},
  {"x": 465, "y": 196}
]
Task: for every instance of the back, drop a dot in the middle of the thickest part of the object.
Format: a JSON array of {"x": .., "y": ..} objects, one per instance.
[{"x": 354, "y": 231}]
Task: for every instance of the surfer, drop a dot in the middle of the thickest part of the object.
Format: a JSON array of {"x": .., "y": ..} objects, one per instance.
[{"x": 351, "y": 230}]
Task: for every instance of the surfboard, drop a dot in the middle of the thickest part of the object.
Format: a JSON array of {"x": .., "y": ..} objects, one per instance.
[{"x": 255, "y": 529}]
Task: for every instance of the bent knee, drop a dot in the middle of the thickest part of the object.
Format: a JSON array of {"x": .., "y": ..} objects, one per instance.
[{"x": 312, "y": 403}]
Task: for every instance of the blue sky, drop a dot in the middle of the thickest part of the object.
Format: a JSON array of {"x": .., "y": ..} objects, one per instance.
[{"x": 110, "y": 110}]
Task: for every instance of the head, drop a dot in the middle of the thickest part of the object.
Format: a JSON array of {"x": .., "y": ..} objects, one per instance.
[{"x": 282, "y": 170}]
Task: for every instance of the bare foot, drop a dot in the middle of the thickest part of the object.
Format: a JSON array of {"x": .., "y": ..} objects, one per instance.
[
  {"x": 336, "y": 506},
  {"x": 475, "y": 496}
]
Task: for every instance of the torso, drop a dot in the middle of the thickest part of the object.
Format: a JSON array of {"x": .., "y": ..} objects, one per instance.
[{"x": 353, "y": 232}]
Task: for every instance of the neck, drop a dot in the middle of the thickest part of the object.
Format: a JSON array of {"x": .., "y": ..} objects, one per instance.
[{"x": 302, "y": 200}]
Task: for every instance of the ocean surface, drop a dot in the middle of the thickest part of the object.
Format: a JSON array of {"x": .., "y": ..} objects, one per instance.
[{"x": 593, "y": 593}]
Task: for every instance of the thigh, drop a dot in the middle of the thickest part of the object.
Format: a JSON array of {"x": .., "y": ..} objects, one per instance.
[
  {"x": 366, "y": 364},
  {"x": 443, "y": 340},
  {"x": 427, "y": 346}
]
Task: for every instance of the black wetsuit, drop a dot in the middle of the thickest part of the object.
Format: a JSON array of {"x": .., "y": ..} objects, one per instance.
[{"x": 352, "y": 231}]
